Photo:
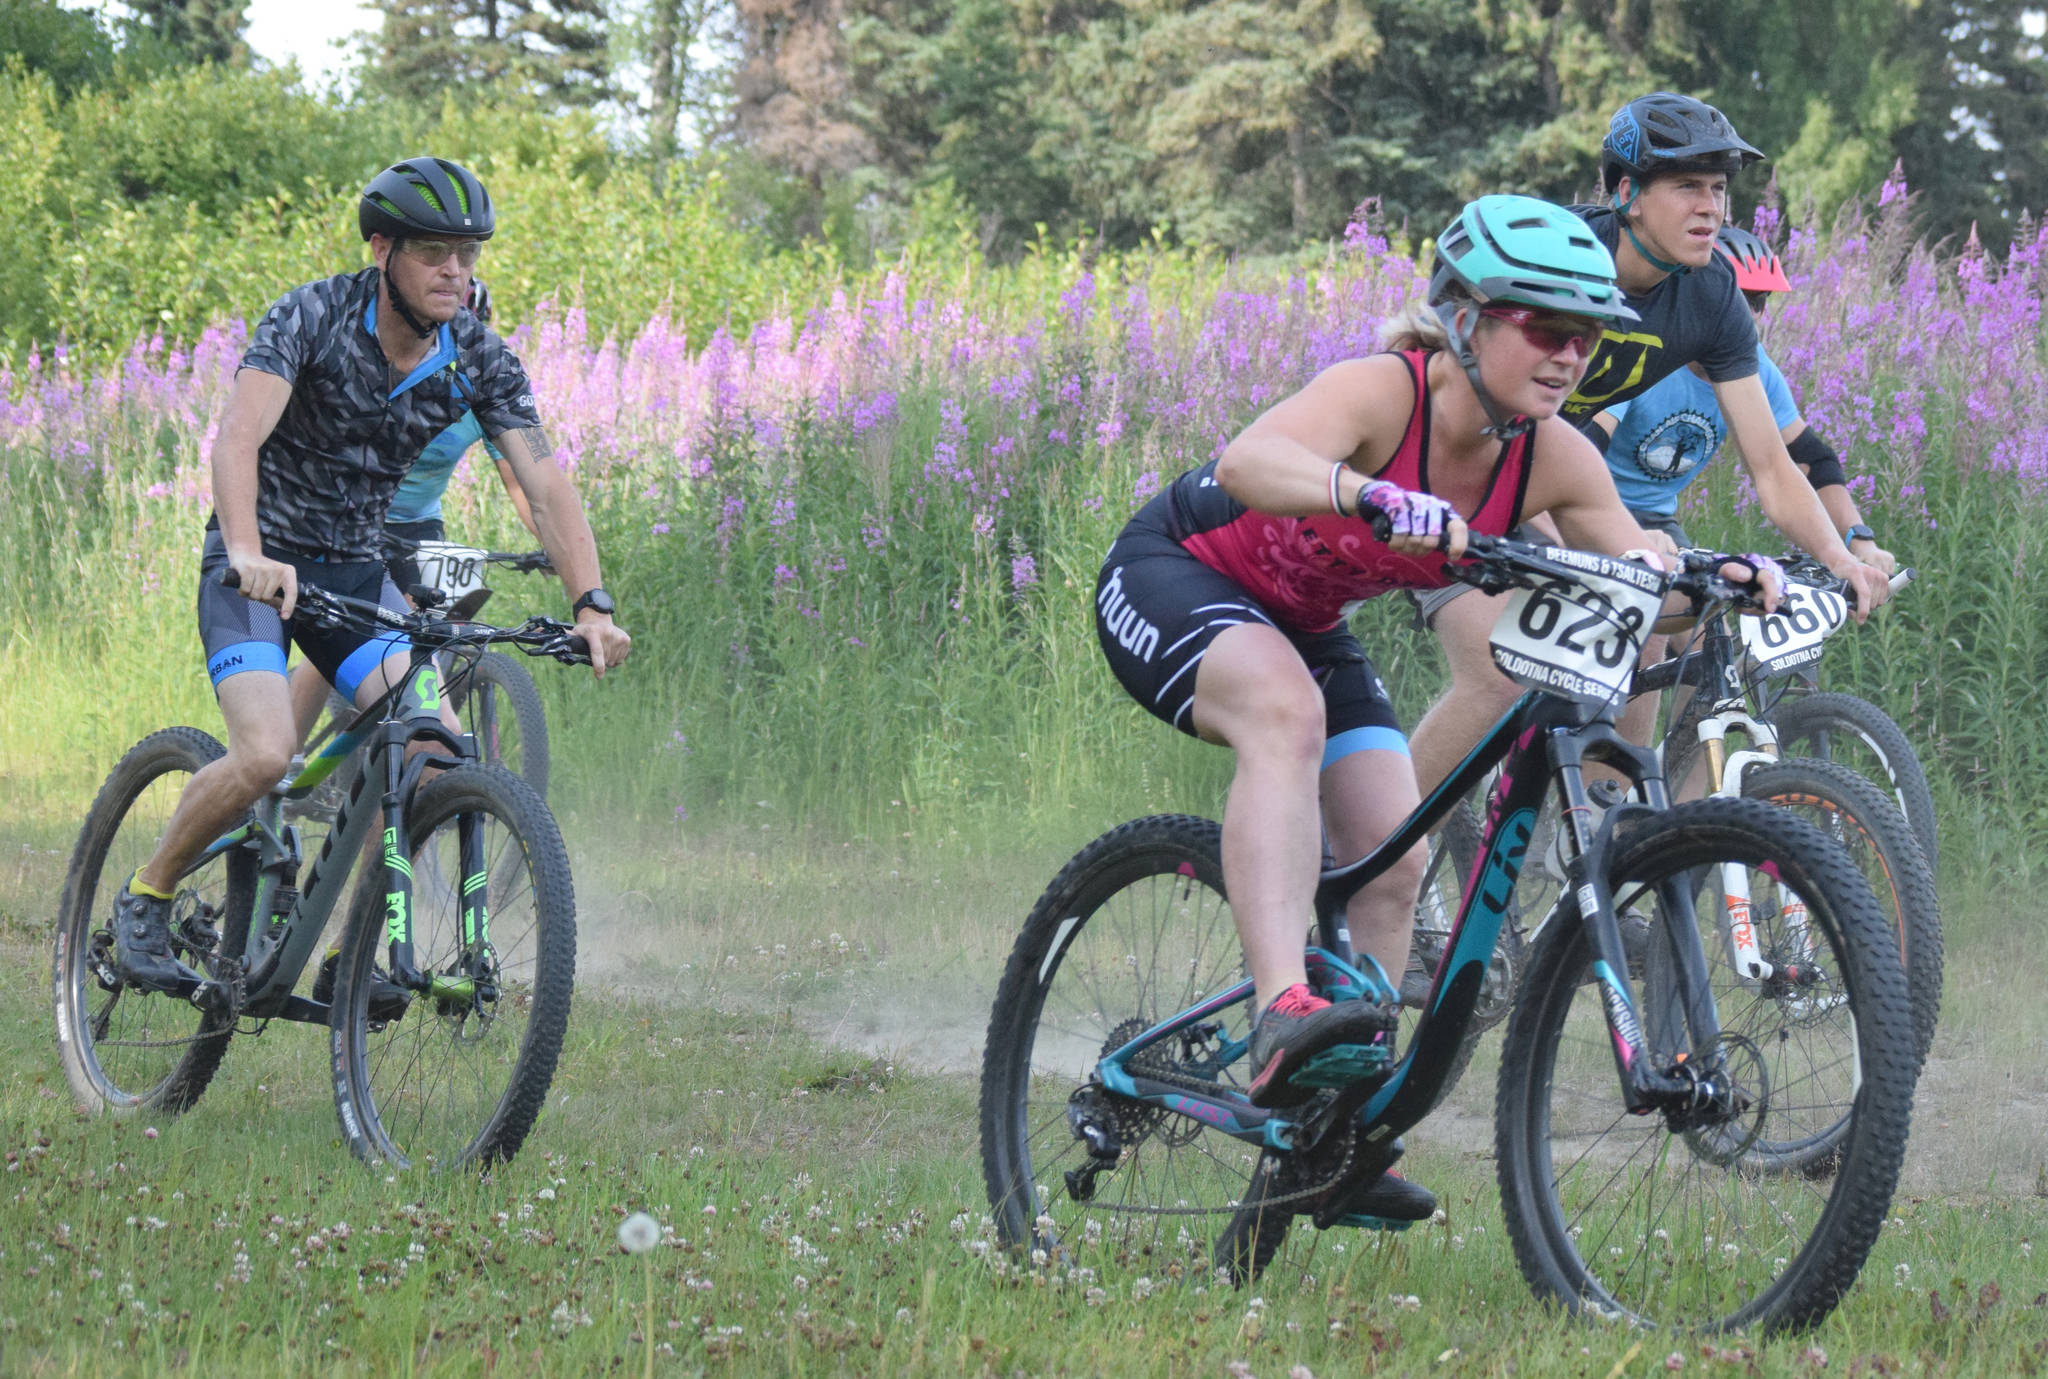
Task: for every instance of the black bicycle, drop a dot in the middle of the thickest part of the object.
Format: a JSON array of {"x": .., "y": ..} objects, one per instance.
[
  {"x": 492, "y": 694},
  {"x": 1728, "y": 739},
  {"x": 1640, "y": 1071},
  {"x": 449, "y": 997}
]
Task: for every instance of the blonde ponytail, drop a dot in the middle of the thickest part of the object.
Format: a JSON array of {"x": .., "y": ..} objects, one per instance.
[{"x": 1414, "y": 327}]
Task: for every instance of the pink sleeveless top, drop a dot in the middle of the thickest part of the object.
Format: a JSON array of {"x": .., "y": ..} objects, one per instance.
[{"x": 1310, "y": 572}]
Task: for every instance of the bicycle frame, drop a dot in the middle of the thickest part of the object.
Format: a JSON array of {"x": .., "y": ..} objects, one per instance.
[
  {"x": 1540, "y": 740},
  {"x": 286, "y": 922}
]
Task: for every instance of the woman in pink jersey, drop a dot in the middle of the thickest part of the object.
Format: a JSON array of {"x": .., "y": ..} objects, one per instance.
[{"x": 1222, "y": 605}]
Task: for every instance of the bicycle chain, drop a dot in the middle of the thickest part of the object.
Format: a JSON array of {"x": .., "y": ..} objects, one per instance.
[
  {"x": 1299, "y": 1194},
  {"x": 1153, "y": 1065}
]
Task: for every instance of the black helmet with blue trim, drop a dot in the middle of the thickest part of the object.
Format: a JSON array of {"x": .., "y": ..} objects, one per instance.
[{"x": 1665, "y": 132}]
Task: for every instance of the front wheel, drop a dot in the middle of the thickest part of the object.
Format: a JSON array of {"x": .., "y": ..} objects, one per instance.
[
  {"x": 1664, "y": 1217},
  {"x": 1134, "y": 929},
  {"x": 456, "y": 1075},
  {"x": 1855, "y": 813},
  {"x": 127, "y": 1051}
]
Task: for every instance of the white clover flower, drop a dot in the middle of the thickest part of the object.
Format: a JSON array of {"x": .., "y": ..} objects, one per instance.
[{"x": 639, "y": 1233}]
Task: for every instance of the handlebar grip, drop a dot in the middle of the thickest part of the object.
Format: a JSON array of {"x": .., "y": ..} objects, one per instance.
[
  {"x": 1381, "y": 524},
  {"x": 579, "y": 646},
  {"x": 1901, "y": 579},
  {"x": 230, "y": 578}
]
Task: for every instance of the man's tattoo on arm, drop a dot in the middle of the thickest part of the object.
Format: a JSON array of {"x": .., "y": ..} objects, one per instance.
[{"x": 536, "y": 438}]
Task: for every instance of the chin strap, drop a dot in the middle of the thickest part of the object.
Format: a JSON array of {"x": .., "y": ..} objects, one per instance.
[
  {"x": 421, "y": 328},
  {"x": 1460, "y": 341},
  {"x": 1621, "y": 214}
]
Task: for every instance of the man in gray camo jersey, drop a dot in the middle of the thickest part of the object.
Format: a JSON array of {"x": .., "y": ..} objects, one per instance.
[{"x": 343, "y": 385}]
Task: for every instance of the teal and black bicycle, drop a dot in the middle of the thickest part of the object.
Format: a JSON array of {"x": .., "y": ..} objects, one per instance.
[
  {"x": 449, "y": 996},
  {"x": 1642, "y": 1067}
]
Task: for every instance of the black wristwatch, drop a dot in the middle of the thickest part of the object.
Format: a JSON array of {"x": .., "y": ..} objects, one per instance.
[
  {"x": 593, "y": 598},
  {"x": 1859, "y": 532}
]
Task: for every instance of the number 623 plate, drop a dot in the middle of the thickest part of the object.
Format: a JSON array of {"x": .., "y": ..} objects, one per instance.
[{"x": 1579, "y": 637}]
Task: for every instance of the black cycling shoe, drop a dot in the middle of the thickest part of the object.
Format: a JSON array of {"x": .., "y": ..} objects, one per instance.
[
  {"x": 142, "y": 944},
  {"x": 1393, "y": 1198},
  {"x": 388, "y": 1000},
  {"x": 1298, "y": 1027}
]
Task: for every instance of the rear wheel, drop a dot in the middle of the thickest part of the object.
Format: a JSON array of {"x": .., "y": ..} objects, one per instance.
[
  {"x": 125, "y": 1050},
  {"x": 1664, "y": 1217},
  {"x": 1134, "y": 929},
  {"x": 459, "y": 1077},
  {"x": 497, "y": 700}
]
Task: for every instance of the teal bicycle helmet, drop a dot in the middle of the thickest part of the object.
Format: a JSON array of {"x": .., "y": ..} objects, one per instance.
[{"x": 1519, "y": 250}]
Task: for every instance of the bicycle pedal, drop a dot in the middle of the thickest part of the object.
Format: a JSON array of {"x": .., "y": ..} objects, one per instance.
[
  {"x": 1342, "y": 1065},
  {"x": 1371, "y": 1223}
]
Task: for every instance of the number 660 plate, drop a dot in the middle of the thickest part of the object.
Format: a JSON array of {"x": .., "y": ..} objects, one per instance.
[{"x": 1579, "y": 637}]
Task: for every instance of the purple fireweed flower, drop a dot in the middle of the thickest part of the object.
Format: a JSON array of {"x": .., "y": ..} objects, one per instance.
[
  {"x": 1023, "y": 573},
  {"x": 1077, "y": 303},
  {"x": 784, "y": 575},
  {"x": 1894, "y": 187},
  {"x": 660, "y": 529},
  {"x": 984, "y": 525}
]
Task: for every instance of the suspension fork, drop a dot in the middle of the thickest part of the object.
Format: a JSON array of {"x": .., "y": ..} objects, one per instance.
[
  {"x": 1724, "y": 780},
  {"x": 1644, "y": 1086},
  {"x": 397, "y": 860},
  {"x": 475, "y": 910}
]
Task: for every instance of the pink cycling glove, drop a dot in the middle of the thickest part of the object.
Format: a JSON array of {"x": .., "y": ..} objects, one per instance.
[{"x": 1412, "y": 514}]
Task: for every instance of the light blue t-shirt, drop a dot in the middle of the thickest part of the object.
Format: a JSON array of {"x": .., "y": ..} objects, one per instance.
[
  {"x": 419, "y": 495},
  {"x": 1665, "y": 436}
]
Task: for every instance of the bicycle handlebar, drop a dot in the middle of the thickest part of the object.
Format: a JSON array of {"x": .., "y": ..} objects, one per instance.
[
  {"x": 526, "y": 562},
  {"x": 536, "y": 636},
  {"x": 1810, "y": 571}
]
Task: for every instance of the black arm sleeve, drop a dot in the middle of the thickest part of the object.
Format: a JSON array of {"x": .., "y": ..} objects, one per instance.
[{"x": 1817, "y": 458}]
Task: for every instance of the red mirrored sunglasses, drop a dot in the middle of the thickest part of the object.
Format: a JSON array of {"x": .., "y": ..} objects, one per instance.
[{"x": 1548, "y": 332}]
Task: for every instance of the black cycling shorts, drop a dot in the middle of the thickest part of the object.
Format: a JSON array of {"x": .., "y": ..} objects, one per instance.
[
  {"x": 1157, "y": 608},
  {"x": 244, "y": 635}
]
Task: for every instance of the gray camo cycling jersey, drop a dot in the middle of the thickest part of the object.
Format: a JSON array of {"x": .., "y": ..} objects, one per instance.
[{"x": 329, "y": 469}]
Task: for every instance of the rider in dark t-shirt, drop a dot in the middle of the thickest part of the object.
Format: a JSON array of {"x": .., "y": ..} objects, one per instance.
[
  {"x": 1696, "y": 317},
  {"x": 1665, "y": 165}
]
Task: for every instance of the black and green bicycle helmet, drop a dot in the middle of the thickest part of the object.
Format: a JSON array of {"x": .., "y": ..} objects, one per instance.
[
  {"x": 426, "y": 196},
  {"x": 1525, "y": 252}
]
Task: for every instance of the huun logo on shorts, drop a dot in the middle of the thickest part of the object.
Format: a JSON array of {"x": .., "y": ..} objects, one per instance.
[{"x": 1121, "y": 621}]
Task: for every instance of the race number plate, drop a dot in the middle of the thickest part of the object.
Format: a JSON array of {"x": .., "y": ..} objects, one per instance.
[
  {"x": 1791, "y": 637},
  {"x": 1579, "y": 638},
  {"x": 453, "y": 569}
]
